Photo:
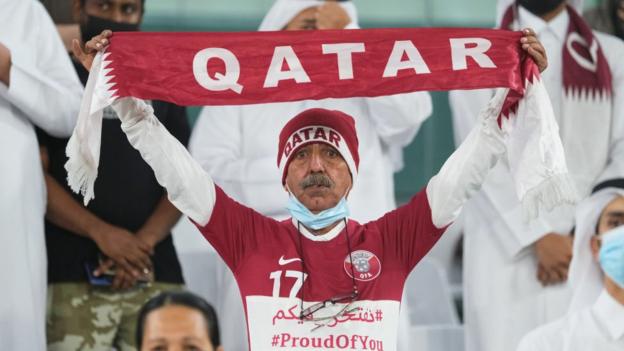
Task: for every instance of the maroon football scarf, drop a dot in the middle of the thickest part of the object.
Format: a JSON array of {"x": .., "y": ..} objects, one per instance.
[
  {"x": 261, "y": 67},
  {"x": 257, "y": 67}
]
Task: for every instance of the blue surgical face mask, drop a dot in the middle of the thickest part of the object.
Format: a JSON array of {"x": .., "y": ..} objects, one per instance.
[
  {"x": 612, "y": 255},
  {"x": 320, "y": 220}
]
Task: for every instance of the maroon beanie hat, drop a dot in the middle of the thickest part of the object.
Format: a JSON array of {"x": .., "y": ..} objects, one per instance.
[{"x": 318, "y": 125}]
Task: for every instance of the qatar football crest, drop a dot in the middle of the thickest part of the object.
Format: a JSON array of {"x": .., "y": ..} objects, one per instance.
[{"x": 366, "y": 265}]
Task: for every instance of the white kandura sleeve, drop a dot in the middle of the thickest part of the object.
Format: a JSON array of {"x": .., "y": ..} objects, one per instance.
[
  {"x": 189, "y": 187},
  {"x": 465, "y": 170},
  {"x": 44, "y": 84},
  {"x": 541, "y": 339}
]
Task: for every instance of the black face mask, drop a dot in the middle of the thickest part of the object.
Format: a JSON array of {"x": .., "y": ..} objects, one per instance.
[
  {"x": 540, "y": 7},
  {"x": 95, "y": 25}
]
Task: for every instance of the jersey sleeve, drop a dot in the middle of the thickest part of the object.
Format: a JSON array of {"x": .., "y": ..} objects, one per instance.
[
  {"x": 408, "y": 232},
  {"x": 235, "y": 230},
  {"x": 413, "y": 229}
]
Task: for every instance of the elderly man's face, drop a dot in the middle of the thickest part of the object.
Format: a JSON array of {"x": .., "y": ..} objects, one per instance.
[
  {"x": 318, "y": 176},
  {"x": 612, "y": 217}
]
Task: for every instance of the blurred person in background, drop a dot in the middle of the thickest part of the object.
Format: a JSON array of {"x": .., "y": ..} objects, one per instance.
[
  {"x": 38, "y": 88},
  {"x": 230, "y": 143},
  {"x": 61, "y": 13},
  {"x": 596, "y": 316},
  {"x": 107, "y": 259},
  {"x": 177, "y": 321},
  {"x": 607, "y": 17},
  {"x": 515, "y": 272}
]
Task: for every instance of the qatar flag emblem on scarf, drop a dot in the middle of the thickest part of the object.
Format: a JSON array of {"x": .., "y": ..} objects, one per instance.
[{"x": 260, "y": 67}]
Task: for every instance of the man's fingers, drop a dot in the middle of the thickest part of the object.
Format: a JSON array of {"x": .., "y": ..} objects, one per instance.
[
  {"x": 121, "y": 281},
  {"x": 138, "y": 263},
  {"x": 117, "y": 281},
  {"x": 564, "y": 273},
  {"x": 77, "y": 49},
  {"x": 146, "y": 248},
  {"x": 556, "y": 276},
  {"x": 126, "y": 265},
  {"x": 529, "y": 40},
  {"x": 539, "y": 58},
  {"x": 104, "y": 267},
  {"x": 528, "y": 31},
  {"x": 145, "y": 266},
  {"x": 140, "y": 258}
]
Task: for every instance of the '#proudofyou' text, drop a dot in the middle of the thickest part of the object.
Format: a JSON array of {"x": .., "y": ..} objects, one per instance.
[{"x": 339, "y": 342}]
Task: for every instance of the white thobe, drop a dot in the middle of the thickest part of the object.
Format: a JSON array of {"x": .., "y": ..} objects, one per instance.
[
  {"x": 503, "y": 300},
  {"x": 237, "y": 145},
  {"x": 599, "y": 327},
  {"x": 44, "y": 91}
]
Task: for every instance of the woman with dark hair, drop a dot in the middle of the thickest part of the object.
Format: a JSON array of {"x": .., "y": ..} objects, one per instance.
[{"x": 177, "y": 320}]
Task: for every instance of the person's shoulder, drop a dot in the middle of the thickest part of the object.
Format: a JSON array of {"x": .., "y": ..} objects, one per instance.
[
  {"x": 608, "y": 41},
  {"x": 553, "y": 336},
  {"x": 612, "y": 46},
  {"x": 541, "y": 339}
]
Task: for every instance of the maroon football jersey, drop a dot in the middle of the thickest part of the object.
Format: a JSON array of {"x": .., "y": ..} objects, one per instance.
[{"x": 266, "y": 255}]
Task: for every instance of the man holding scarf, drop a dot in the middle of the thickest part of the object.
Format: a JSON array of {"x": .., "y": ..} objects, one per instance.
[
  {"x": 320, "y": 280},
  {"x": 128, "y": 227},
  {"x": 529, "y": 261},
  {"x": 229, "y": 142},
  {"x": 595, "y": 320}
]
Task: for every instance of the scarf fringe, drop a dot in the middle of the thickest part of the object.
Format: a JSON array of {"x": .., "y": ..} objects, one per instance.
[
  {"x": 553, "y": 191},
  {"x": 81, "y": 175}
]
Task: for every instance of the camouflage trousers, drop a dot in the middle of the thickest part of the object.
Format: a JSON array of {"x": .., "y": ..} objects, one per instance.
[{"x": 83, "y": 317}]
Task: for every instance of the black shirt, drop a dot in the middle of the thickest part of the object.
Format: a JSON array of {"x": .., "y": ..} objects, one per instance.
[{"x": 126, "y": 194}]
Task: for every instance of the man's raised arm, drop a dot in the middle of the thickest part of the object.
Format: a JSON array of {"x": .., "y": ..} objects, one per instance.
[
  {"x": 188, "y": 186},
  {"x": 463, "y": 173},
  {"x": 465, "y": 170}
]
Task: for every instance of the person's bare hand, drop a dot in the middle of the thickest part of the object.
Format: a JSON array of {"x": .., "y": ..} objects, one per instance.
[
  {"x": 534, "y": 48},
  {"x": 5, "y": 64},
  {"x": 122, "y": 280},
  {"x": 85, "y": 54},
  {"x": 331, "y": 15},
  {"x": 124, "y": 248},
  {"x": 554, "y": 253}
]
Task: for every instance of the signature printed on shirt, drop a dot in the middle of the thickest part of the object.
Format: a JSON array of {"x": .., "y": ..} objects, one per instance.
[{"x": 357, "y": 315}]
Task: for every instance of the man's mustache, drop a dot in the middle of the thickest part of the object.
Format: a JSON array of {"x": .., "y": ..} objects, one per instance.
[{"x": 316, "y": 179}]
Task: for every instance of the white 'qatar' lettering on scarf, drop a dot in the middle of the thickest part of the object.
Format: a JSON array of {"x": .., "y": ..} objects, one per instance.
[{"x": 285, "y": 57}]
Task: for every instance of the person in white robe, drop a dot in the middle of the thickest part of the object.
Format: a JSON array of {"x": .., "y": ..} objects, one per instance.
[
  {"x": 38, "y": 87},
  {"x": 230, "y": 143},
  {"x": 508, "y": 290},
  {"x": 595, "y": 320}
]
